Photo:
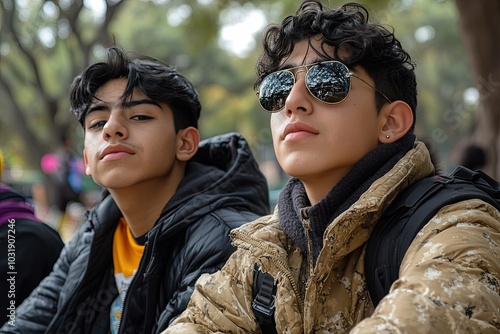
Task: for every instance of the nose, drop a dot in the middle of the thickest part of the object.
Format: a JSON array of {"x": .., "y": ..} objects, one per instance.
[
  {"x": 115, "y": 128},
  {"x": 299, "y": 99}
]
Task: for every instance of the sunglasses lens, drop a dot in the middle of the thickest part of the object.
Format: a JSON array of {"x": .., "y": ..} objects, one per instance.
[
  {"x": 274, "y": 90},
  {"x": 329, "y": 82}
]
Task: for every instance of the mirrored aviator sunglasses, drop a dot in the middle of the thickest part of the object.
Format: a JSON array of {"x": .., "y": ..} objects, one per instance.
[{"x": 329, "y": 82}]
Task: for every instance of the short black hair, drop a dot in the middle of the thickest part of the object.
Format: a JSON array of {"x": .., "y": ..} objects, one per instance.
[
  {"x": 159, "y": 81},
  {"x": 347, "y": 29}
]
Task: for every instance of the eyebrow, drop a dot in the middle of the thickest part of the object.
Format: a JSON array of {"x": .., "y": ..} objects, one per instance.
[{"x": 127, "y": 104}]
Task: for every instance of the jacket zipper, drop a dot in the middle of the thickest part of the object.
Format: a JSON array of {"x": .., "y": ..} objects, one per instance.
[
  {"x": 307, "y": 227},
  {"x": 278, "y": 263}
]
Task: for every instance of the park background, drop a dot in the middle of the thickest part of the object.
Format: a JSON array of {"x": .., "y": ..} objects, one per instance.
[{"x": 215, "y": 43}]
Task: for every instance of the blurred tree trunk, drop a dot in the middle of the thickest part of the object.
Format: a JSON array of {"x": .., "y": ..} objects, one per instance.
[
  {"x": 480, "y": 24},
  {"x": 35, "y": 77}
]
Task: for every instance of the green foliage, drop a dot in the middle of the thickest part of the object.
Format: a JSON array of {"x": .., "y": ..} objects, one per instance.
[
  {"x": 186, "y": 33},
  {"x": 443, "y": 74}
]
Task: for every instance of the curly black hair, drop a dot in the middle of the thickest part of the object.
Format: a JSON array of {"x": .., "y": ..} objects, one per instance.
[
  {"x": 348, "y": 30},
  {"x": 159, "y": 81}
]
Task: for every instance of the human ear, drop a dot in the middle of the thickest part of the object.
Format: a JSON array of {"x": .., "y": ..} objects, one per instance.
[
  {"x": 396, "y": 119},
  {"x": 86, "y": 161},
  {"x": 187, "y": 143}
]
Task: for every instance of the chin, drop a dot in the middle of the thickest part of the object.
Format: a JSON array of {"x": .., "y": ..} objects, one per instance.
[
  {"x": 296, "y": 172},
  {"x": 113, "y": 185},
  {"x": 296, "y": 164}
]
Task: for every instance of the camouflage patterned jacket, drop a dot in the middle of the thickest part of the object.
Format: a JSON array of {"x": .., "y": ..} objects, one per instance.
[{"x": 449, "y": 280}]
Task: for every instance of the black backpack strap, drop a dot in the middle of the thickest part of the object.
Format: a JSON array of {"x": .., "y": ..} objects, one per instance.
[
  {"x": 264, "y": 291},
  {"x": 410, "y": 211}
]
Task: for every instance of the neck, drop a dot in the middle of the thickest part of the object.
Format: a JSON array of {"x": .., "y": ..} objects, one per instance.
[
  {"x": 142, "y": 204},
  {"x": 318, "y": 186}
]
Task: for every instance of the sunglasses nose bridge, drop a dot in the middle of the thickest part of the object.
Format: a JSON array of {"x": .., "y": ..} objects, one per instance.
[
  {"x": 295, "y": 74},
  {"x": 299, "y": 70}
]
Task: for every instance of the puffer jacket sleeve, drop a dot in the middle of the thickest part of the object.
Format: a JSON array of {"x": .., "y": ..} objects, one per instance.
[
  {"x": 229, "y": 290},
  {"x": 37, "y": 311},
  {"x": 449, "y": 279},
  {"x": 206, "y": 251}
]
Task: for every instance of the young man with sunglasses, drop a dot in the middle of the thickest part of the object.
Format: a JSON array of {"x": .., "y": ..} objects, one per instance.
[
  {"x": 132, "y": 266},
  {"x": 342, "y": 97}
]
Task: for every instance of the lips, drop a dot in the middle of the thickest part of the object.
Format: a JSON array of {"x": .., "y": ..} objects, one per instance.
[
  {"x": 298, "y": 129},
  {"x": 115, "y": 151}
]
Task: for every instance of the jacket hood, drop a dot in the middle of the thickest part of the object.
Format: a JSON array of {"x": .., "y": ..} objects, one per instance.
[{"x": 223, "y": 173}]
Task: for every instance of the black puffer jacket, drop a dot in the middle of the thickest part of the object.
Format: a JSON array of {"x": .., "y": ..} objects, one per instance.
[{"x": 223, "y": 188}]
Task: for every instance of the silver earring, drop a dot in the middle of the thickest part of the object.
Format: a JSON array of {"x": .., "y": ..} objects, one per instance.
[{"x": 387, "y": 136}]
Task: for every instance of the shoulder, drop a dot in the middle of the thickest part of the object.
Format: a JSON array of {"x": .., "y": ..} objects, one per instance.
[
  {"x": 261, "y": 225},
  {"x": 228, "y": 217},
  {"x": 37, "y": 228},
  {"x": 38, "y": 235},
  {"x": 466, "y": 215},
  {"x": 462, "y": 232},
  {"x": 261, "y": 236},
  {"x": 212, "y": 229}
]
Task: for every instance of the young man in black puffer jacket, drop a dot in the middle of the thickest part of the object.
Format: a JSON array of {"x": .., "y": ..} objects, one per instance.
[{"x": 132, "y": 266}]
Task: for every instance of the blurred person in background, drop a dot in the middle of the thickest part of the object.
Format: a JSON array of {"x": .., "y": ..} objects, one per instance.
[
  {"x": 28, "y": 248},
  {"x": 66, "y": 169},
  {"x": 470, "y": 155},
  {"x": 62, "y": 205}
]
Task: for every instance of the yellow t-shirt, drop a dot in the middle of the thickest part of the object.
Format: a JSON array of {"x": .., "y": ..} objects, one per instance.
[{"x": 126, "y": 257}]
